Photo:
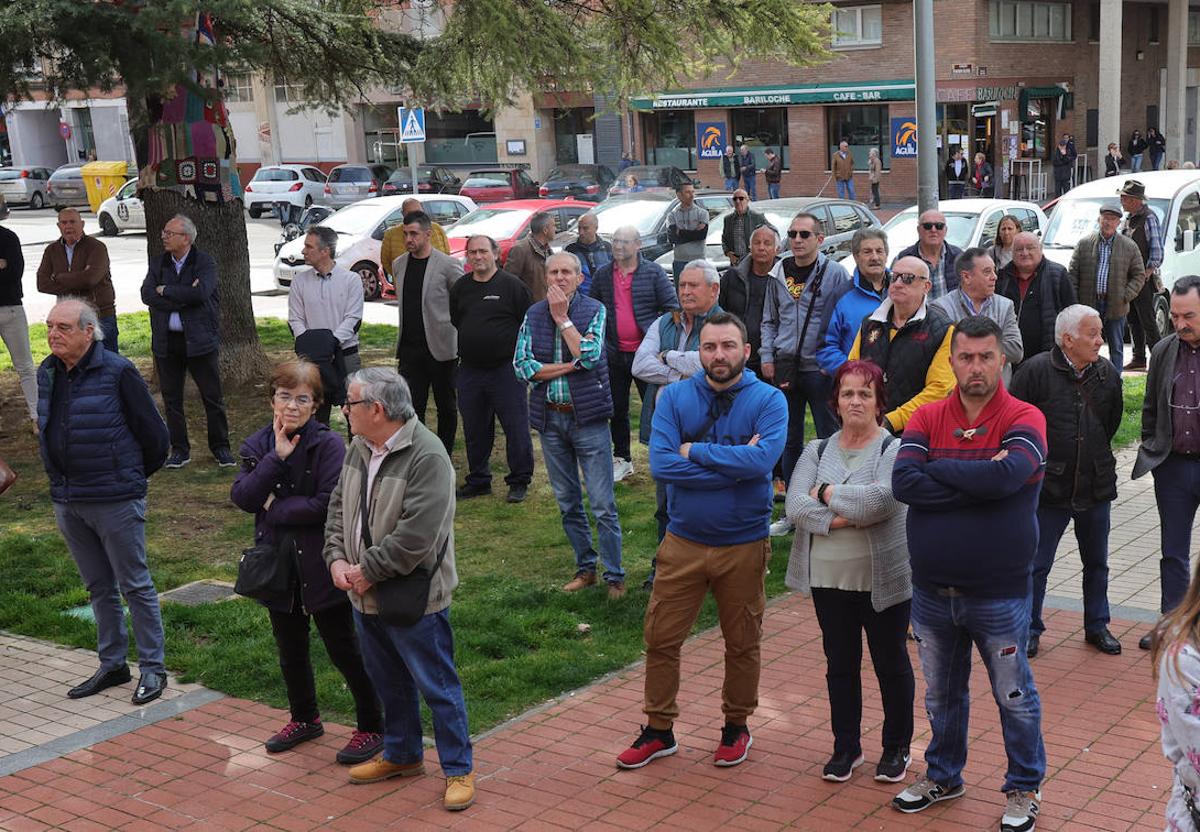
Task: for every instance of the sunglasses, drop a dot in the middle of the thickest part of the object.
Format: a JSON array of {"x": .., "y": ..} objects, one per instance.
[
  {"x": 907, "y": 278},
  {"x": 929, "y": 226},
  {"x": 793, "y": 233},
  {"x": 740, "y": 199}
]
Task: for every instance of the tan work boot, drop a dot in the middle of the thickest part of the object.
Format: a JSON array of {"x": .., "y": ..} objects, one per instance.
[
  {"x": 380, "y": 769},
  {"x": 460, "y": 792},
  {"x": 583, "y": 579},
  {"x": 616, "y": 591}
]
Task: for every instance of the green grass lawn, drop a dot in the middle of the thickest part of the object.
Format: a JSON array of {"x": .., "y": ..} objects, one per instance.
[{"x": 519, "y": 640}]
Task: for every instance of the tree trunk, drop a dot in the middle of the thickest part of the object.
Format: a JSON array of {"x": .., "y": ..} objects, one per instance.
[{"x": 222, "y": 233}]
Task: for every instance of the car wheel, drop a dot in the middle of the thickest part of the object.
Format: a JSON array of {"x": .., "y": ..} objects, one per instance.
[
  {"x": 1162, "y": 314},
  {"x": 255, "y": 211},
  {"x": 107, "y": 227},
  {"x": 372, "y": 287},
  {"x": 36, "y": 201}
]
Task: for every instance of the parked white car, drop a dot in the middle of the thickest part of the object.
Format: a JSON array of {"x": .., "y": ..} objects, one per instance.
[
  {"x": 969, "y": 223},
  {"x": 298, "y": 185},
  {"x": 360, "y": 228},
  {"x": 122, "y": 211},
  {"x": 1173, "y": 196}
]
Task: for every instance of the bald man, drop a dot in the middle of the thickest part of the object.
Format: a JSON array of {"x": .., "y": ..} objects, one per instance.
[
  {"x": 77, "y": 265},
  {"x": 938, "y": 255}
]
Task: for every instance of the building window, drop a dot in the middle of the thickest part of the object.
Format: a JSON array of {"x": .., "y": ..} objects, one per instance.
[
  {"x": 862, "y": 128},
  {"x": 238, "y": 88},
  {"x": 759, "y": 129},
  {"x": 670, "y": 138},
  {"x": 1152, "y": 22},
  {"x": 288, "y": 93},
  {"x": 1024, "y": 20},
  {"x": 1193, "y": 28},
  {"x": 857, "y": 26}
]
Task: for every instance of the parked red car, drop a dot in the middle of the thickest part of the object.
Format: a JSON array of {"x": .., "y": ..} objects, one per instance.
[{"x": 498, "y": 185}]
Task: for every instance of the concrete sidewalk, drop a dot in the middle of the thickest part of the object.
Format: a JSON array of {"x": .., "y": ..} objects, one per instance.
[{"x": 196, "y": 761}]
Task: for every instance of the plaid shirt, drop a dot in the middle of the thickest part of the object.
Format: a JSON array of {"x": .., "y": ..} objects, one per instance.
[
  {"x": 591, "y": 346},
  {"x": 1103, "y": 255}
]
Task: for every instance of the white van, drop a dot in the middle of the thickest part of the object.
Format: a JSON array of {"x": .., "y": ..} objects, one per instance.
[{"x": 1173, "y": 196}]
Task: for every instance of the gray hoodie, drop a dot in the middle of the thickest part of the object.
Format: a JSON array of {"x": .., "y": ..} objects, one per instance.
[{"x": 783, "y": 315}]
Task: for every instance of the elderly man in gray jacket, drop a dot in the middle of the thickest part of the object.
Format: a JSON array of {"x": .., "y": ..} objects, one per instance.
[
  {"x": 427, "y": 349},
  {"x": 806, "y": 287},
  {"x": 976, "y": 295},
  {"x": 392, "y": 512}
]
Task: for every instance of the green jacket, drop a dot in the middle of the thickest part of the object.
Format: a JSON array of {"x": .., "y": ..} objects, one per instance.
[
  {"x": 410, "y": 510},
  {"x": 1126, "y": 273}
]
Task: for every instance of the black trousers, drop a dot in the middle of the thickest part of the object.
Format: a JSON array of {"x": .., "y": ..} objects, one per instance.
[
  {"x": 620, "y": 376},
  {"x": 422, "y": 371},
  {"x": 336, "y": 626},
  {"x": 204, "y": 370},
  {"x": 485, "y": 395},
  {"x": 843, "y": 616},
  {"x": 1142, "y": 325}
]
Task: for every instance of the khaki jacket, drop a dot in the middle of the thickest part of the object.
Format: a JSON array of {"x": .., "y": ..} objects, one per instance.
[
  {"x": 393, "y": 244},
  {"x": 1126, "y": 274},
  {"x": 411, "y": 512}
]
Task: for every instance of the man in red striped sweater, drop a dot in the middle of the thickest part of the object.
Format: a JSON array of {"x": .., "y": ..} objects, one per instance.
[{"x": 970, "y": 468}]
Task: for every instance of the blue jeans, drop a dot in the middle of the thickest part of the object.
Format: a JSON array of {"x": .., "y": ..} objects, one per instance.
[
  {"x": 109, "y": 327},
  {"x": 405, "y": 661},
  {"x": 731, "y": 184},
  {"x": 773, "y": 190},
  {"x": 945, "y": 629},
  {"x": 1156, "y": 157},
  {"x": 677, "y": 267},
  {"x": 1114, "y": 337},
  {"x": 956, "y": 189},
  {"x": 1091, "y": 532},
  {"x": 1135, "y": 162},
  {"x": 810, "y": 388},
  {"x": 845, "y": 188},
  {"x": 108, "y": 543},
  {"x": 567, "y": 449},
  {"x": 1177, "y": 492},
  {"x": 750, "y": 183}
]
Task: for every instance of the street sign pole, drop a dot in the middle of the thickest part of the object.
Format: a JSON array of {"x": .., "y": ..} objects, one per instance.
[{"x": 411, "y": 118}]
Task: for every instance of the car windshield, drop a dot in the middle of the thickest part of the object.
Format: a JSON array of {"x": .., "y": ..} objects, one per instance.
[
  {"x": 781, "y": 223},
  {"x": 497, "y": 223},
  {"x": 642, "y": 214},
  {"x": 1073, "y": 219},
  {"x": 8, "y": 175},
  {"x": 902, "y": 228},
  {"x": 274, "y": 175},
  {"x": 482, "y": 181},
  {"x": 405, "y": 175},
  {"x": 648, "y": 177},
  {"x": 67, "y": 173},
  {"x": 350, "y": 175},
  {"x": 572, "y": 173},
  {"x": 357, "y": 219}
]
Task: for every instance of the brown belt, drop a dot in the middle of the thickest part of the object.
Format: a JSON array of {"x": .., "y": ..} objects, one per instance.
[
  {"x": 950, "y": 592},
  {"x": 560, "y": 408}
]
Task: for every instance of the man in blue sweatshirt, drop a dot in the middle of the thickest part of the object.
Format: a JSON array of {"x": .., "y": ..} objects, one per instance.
[
  {"x": 870, "y": 249},
  {"x": 715, "y": 439}
]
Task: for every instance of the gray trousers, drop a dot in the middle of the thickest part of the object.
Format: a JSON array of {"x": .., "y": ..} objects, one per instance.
[
  {"x": 14, "y": 331},
  {"x": 108, "y": 543}
]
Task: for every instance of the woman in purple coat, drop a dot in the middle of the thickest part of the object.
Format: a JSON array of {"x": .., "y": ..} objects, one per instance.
[{"x": 289, "y": 469}]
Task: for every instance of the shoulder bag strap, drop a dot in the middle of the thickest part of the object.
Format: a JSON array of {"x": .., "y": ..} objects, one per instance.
[
  {"x": 815, "y": 282},
  {"x": 364, "y": 524}
]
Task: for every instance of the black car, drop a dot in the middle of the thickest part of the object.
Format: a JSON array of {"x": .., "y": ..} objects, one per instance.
[
  {"x": 588, "y": 182},
  {"x": 431, "y": 179},
  {"x": 665, "y": 178}
]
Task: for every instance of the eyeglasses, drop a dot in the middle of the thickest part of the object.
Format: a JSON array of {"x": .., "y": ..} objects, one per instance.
[
  {"x": 287, "y": 398},
  {"x": 348, "y": 405},
  {"x": 907, "y": 278},
  {"x": 803, "y": 234},
  {"x": 929, "y": 226},
  {"x": 166, "y": 232}
]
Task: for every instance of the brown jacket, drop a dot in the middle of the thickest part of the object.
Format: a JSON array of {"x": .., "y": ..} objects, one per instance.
[
  {"x": 843, "y": 168},
  {"x": 1126, "y": 273},
  {"x": 88, "y": 276},
  {"x": 527, "y": 260}
]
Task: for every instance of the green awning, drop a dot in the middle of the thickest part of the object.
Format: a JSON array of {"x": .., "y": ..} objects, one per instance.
[
  {"x": 1030, "y": 93},
  {"x": 847, "y": 93}
]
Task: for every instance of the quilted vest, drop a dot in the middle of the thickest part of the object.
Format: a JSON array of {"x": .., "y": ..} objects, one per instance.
[
  {"x": 591, "y": 395},
  {"x": 905, "y": 358}
]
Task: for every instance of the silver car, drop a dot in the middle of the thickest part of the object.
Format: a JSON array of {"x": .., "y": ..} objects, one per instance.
[
  {"x": 350, "y": 183},
  {"x": 66, "y": 187},
  {"x": 24, "y": 185}
]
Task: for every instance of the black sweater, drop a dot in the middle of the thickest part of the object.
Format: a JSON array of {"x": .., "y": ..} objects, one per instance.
[
  {"x": 488, "y": 316},
  {"x": 14, "y": 268}
]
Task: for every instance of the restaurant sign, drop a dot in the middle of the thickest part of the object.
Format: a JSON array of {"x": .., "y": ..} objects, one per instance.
[{"x": 782, "y": 96}]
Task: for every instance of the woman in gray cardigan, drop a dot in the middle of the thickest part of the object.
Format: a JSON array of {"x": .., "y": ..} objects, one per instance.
[{"x": 850, "y": 552}]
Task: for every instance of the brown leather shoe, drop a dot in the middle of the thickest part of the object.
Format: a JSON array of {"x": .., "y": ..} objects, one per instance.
[
  {"x": 616, "y": 591},
  {"x": 380, "y": 769},
  {"x": 460, "y": 792},
  {"x": 583, "y": 579}
]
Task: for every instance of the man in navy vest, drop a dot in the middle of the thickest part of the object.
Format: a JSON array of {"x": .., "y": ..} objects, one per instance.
[
  {"x": 101, "y": 437},
  {"x": 560, "y": 352}
]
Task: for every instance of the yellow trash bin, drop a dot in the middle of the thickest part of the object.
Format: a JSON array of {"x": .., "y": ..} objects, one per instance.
[{"x": 102, "y": 180}]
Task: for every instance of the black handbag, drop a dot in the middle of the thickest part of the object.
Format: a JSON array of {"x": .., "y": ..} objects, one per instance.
[
  {"x": 266, "y": 572},
  {"x": 401, "y": 600}
]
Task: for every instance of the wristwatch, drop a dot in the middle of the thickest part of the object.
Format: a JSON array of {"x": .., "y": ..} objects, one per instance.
[
  {"x": 821, "y": 493},
  {"x": 565, "y": 325}
]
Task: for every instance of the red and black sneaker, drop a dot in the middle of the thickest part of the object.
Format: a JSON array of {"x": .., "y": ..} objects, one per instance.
[
  {"x": 293, "y": 734},
  {"x": 735, "y": 745},
  {"x": 650, "y": 745},
  {"x": 363, "y": 746}
]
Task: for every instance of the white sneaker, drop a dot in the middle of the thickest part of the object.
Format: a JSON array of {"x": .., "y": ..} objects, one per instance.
[
  {"x": 782, "y": 527},
  {"x": 622, "y": 468}
]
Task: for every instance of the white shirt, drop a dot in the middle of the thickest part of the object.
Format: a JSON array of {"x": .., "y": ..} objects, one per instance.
[{"x": 333, "y": 302}]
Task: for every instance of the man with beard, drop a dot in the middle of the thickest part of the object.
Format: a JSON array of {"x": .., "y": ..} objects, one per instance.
[{"x": 715, "y": 439}]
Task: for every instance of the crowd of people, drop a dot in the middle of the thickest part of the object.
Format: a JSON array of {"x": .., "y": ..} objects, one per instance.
[{"x": 959, "y": 401}]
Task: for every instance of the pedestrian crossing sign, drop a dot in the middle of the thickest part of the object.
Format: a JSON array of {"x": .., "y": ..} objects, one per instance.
[{"x": 412, "y": 124}]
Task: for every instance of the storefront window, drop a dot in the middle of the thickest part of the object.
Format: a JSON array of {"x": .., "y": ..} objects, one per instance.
[
  {"x": 760, "y": 129},
  {"x": 863, "y": 128},
  {"x": 670, "y": 138},
  {"x": 574, "y": 131},
  {"x": 1036, "y": 130}
]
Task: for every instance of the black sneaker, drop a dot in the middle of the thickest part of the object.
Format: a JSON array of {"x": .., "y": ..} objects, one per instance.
[
  {"x": 841, "y": 765},
  {"x": 516, "y": 493},
  {"x": 177, "y": 460},
  {"x": 468, "y": 491},
  {"x": 924, "y": 793},
  {"x": 293, "y": 734},
  {"x": 224, "y": 458},
  {"x": 893, "y": 765}
]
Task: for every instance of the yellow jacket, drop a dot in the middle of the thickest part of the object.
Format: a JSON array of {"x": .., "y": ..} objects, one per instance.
[
  {"x": 393, "y": 245},
  {"x": 939, "y": 379}
]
